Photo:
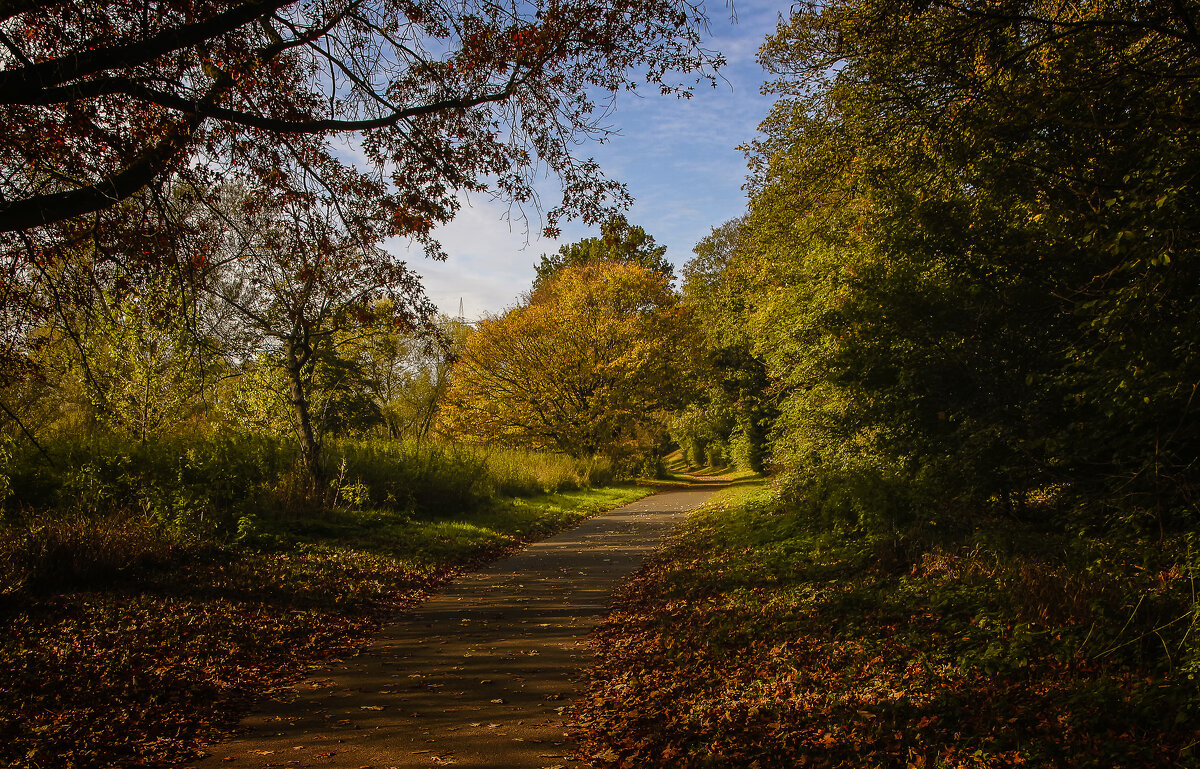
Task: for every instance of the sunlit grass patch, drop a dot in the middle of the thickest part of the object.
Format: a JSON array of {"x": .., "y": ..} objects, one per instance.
[{"x": 527, "y": 473}]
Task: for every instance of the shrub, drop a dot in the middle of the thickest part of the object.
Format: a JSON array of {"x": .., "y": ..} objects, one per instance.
[
  {"x": 190, "y": 484},
  {"x": 445, "y": 479},
  {"x": 409, "y": 476},
  {"x": 55, "y": 551},
  {"x": 746, "y": 450}
]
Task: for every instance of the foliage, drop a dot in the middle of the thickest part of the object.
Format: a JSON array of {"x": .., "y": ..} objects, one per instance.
[
  {"x": 140, "y": 363},
  {"x": 196, "y": 485},
  {"x": 711, "y": 288},
  {"x": 298, "y": 290},
  {"x": 619, "y": 242},
  {"x": 584, "y": 367},
  {"x": 759, "y": 637},
  {"x": 702, "y": 435},
  {"x": 967, "y": 263},
  {"x": 107, "y": 346},
  {"x": 734, "y": 408},
  {"x": 104, "y": 101},
  {"x": 408, "y": 375},
  {"x": 128, "y": 119},
  {"x": 198, "y": 488},
  {"x": 524, "y": 473}
]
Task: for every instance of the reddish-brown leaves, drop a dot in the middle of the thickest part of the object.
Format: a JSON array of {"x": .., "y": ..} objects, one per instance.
[
  {"x": 720, "y": 655},
  {"x": 144, "y": 675}
]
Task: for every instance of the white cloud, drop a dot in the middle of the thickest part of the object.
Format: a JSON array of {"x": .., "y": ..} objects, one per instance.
[{"x": 490, "y": 263}]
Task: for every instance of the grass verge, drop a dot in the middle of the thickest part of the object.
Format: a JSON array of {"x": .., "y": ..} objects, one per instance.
[
  {"x": 755, "y": 641},
  {"x": 158, "y": 656},
  {"x": 678, "y": 473}
]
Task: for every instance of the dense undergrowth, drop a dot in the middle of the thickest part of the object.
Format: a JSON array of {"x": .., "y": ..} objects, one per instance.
[
  {"x": 760, "y": 639},
  {"x": 151, "y": 592}
]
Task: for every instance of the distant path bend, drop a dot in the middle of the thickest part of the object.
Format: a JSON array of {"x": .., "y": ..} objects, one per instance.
[{"x": 478, "y": 675}]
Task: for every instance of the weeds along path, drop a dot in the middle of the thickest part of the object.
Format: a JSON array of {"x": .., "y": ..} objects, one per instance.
[{"x": 478, "y": 675}]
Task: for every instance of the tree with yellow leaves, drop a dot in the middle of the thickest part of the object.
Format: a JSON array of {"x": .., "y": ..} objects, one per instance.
[{"x": 587, "y": 365}]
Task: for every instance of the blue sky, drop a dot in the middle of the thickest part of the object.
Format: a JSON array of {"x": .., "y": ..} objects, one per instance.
[{"x": 678, "y": 157}]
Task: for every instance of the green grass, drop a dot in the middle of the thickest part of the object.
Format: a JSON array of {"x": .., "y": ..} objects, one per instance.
[
  {"x": 100, "y": 506},
  {"x": 680, "y": 473},
  {"x": 523, "y": 473},
  {"x": 472, "y": 536},
  {"x": 141, "y": 658},
  {"x": 756, "y": 639}
]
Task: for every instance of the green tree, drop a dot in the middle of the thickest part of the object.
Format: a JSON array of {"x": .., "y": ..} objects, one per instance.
[
  {"x": 410, "y": 374},
  {"x": 304, "y": 294},
  {"x": 145, "y": 367},
  {"x": 619, "y": 242},
  {"x": 709, "y": 285},
  {"x": 118, "y": 349},
  {"x": 968, "y": 254},
  {"x": 735, "y": 409}
]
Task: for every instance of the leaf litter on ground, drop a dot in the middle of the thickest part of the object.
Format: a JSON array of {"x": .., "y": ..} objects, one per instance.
[
  {"x": 752, "y": 642},
  {"x": 147, "y": 670}
]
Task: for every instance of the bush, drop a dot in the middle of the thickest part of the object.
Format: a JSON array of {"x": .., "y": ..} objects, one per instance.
[
  {"x": 108, "y": 504},
  {"x": 446, "y": 479},
  {"x": 55, "y": 551},
  {"x": 206, "y": 485},
  {"x": 746, "y": 450},
  {"x": 197, "y": 485},
  {"x": 409, "y": 476}
]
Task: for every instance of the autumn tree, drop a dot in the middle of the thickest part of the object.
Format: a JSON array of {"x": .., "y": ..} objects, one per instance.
[
  {"x": 299, "y": 289},
  {"x": 619, "y": 241},
  {"x": 108, "y": 107},
  {"x": 969, "y": 261},
  {"x": 101, "y": 100},
  {"x": 589, "y": 364}
]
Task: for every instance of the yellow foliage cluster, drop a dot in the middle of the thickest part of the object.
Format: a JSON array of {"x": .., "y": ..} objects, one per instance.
[{"x": 585, "y": 366}]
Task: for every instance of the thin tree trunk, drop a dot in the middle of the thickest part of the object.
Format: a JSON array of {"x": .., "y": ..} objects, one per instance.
[{"x": 298, "y": 355}]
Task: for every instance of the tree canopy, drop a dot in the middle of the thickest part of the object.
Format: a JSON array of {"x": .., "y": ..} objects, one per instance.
[
  {"x": 619, "y": 242},
  {"x": 102, "y": 99},
  {"x": 969, "y": 259},
  {"x": 588, "y": 365},
  {"x": 122, "y": 118}
]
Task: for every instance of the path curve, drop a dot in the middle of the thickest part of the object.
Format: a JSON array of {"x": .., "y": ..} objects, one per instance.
[{"x": 476, "y": 676}]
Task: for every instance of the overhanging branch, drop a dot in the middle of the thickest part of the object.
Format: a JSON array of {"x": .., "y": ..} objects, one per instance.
[
  {"x": 26, "y": 81},
  {"x": 58, "y": 206},
  {"x": 124, "y": 86}
]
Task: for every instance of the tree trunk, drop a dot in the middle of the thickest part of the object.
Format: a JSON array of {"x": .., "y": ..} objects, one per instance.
[{"x": 298, "y": 354}]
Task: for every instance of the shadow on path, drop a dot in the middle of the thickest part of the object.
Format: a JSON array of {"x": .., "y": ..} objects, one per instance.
[{"x": 476, "y": 676}]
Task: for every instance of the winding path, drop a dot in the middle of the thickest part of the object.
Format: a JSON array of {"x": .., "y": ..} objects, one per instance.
[{"x": 476, "y": 676}]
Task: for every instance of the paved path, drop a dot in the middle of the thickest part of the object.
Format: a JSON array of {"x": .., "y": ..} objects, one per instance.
[{"x": 476, "y": 676}]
